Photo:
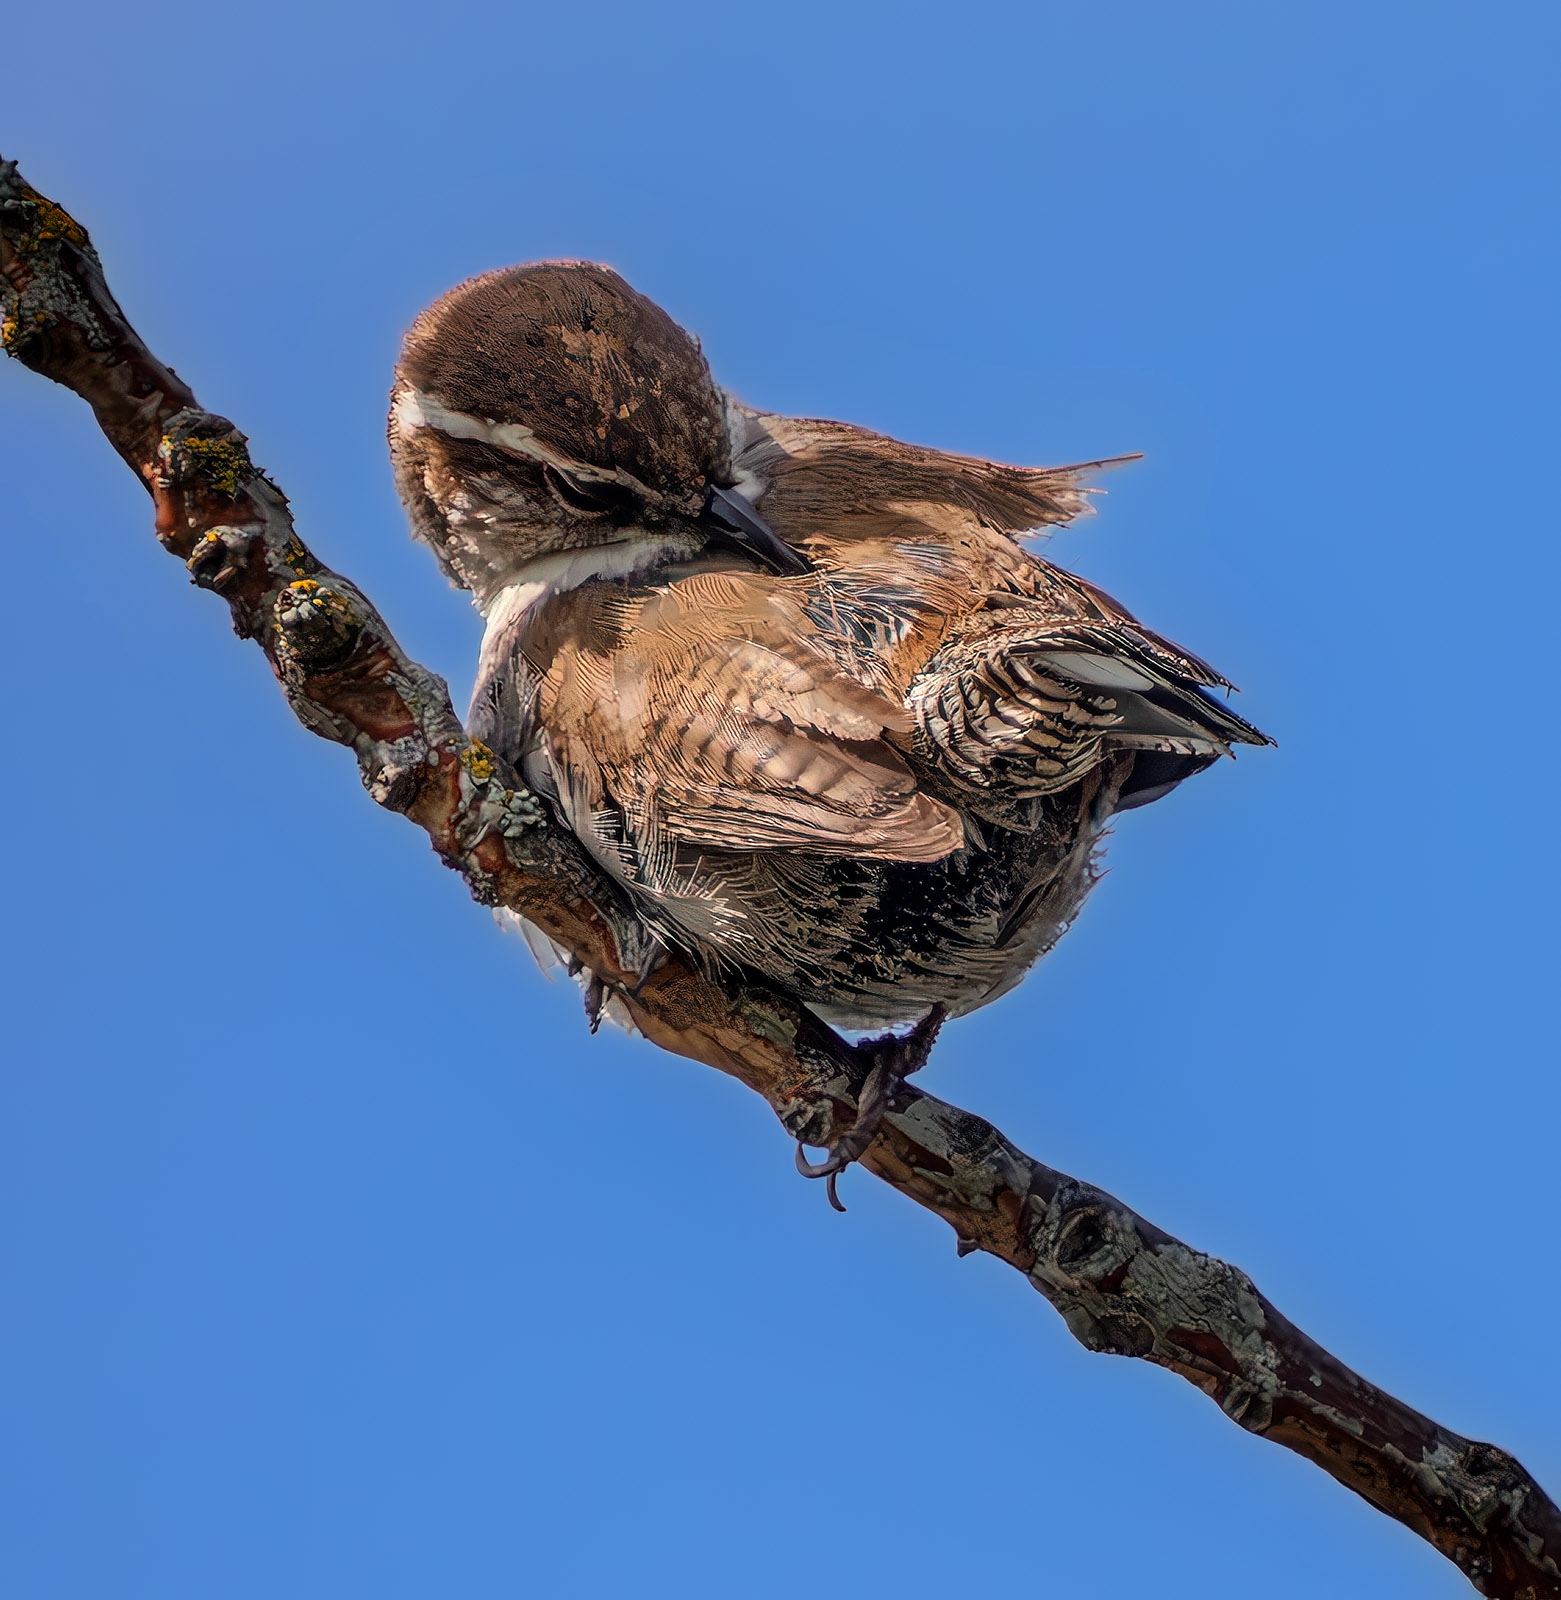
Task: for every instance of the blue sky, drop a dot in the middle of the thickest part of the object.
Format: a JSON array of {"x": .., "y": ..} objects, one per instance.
[{"x": 339, "y": 1259}]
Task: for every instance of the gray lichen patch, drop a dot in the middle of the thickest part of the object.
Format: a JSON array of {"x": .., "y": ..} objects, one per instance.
[
  {"x": 974, "y": 1164},
  {"x": 1183, "y": 1291},
  {"x": 425, "y": 694},
  {"x": 490, "y": 806},
  {"x": 1473, "y": 1478},
  {"x": 768, "y": 1023},
  {"x": 392, "y": 769},
  {"x": 1121, "y": 1294}
]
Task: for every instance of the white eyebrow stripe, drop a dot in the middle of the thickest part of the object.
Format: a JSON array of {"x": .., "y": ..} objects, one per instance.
[{"x": 415, "y": 409}]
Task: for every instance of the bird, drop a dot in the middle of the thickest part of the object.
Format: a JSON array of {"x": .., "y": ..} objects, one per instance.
[{"x": 805, "y": 693}]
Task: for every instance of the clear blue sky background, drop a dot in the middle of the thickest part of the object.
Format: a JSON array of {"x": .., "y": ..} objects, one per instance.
[{"x": 338, "y": 1260}]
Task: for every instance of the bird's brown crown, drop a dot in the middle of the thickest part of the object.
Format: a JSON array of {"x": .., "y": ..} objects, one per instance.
[{"x": 599, "y": 373}]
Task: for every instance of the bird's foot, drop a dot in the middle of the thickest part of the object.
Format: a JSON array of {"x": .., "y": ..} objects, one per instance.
[
  {"x": 893, "y": 1058},
  {"x": 596, "y": 997},
  {"x": 599, "y": 994}
]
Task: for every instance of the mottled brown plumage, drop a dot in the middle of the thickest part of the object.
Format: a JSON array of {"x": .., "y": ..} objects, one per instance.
[{"x": 795, "y": 685}]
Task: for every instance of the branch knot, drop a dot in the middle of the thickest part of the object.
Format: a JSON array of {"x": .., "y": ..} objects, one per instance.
[
  {"x": 201, "y": 451},
  {"x": 317, "y": 628},
  {"x": 220, "y": 555}
]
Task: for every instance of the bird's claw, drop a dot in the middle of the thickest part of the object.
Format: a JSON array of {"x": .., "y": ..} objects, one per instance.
[
  {"x": 595, "y": 1002},
  {"x": 894, "y": 1059}
]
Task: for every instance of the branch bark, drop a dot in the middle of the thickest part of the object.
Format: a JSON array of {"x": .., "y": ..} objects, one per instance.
[{"x": 1123, "y": 1286}]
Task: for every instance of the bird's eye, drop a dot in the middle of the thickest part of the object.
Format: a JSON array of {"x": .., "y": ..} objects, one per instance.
[{"x": 588, "y": 495}]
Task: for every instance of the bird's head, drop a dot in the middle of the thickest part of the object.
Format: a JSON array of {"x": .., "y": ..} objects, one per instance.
[{"x": 550, "y": 409}]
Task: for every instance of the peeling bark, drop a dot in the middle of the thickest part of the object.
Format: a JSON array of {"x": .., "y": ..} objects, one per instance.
[{"x": 1123, "y": 1286}]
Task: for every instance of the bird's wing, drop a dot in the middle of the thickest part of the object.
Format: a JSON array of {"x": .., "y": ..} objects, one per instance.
[
  {"x": 1021, "y": 676},
  {"x": 816, "y": 479},
  {"x": 1020, "y": 704},
  {"x": 710, "y": 714}
]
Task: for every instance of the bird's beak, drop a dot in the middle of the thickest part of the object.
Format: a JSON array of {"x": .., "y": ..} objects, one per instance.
[{"x": 741, "y": 525}]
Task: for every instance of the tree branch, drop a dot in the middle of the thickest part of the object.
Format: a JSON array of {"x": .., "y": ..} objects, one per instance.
[{"x": 1123, "y": 1286}]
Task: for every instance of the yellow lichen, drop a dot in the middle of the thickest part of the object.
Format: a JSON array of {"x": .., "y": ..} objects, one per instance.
[
  {"x": 202, "y": 545},
  {"x": 49, "y": 222},
  {"x": 54, "y": 222},
  {"x": 294, "y": 554},
  {"x": 320, "y": 600},
  {"x": 477, "y": 758},
  {"x": 222, "y": 463}
]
